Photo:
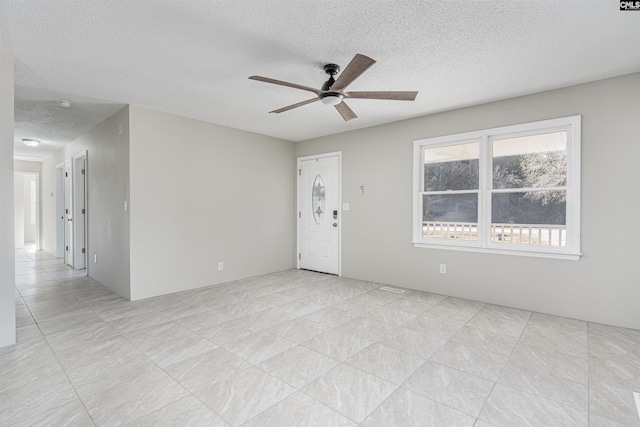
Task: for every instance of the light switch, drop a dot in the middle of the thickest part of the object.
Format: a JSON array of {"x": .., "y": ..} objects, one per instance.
[{"x": 345, "y": 206}]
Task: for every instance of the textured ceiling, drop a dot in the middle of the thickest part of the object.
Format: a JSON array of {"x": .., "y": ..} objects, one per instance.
[{"x": 193, "y": 58}]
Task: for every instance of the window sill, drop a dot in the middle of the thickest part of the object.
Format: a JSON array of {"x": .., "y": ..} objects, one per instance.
[{"x": 519, "y": 251}]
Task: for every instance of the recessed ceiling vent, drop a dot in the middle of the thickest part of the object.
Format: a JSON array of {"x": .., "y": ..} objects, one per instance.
[{"x": 394, "y": 290}]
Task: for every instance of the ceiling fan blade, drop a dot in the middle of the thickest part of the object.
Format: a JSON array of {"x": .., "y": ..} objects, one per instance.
[
  {"x": 291, "y": 107},
  {"x": 358, "y": 65},
  {"x": 392, "y": 95},
  {"x": 281, "y": 83},
  {"x": 346, "y": 112}
]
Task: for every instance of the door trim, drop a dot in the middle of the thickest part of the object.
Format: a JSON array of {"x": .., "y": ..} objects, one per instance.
[{"x": 299, "y": 208}]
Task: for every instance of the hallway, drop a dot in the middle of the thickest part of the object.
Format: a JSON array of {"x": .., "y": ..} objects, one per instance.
[{"x": 44, "y": 283}]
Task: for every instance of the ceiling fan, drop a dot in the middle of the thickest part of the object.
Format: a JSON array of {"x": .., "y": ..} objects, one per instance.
[{"x": 332, "y": 91}]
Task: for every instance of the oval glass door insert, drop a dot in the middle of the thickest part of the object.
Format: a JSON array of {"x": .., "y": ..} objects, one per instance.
[{"x": 318, "y": 198}]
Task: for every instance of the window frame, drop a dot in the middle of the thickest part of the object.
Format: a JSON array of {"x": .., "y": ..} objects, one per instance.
[{"x": 485, "y": 137}]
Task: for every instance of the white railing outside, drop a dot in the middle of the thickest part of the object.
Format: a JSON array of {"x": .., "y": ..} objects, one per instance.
[
  {"x": 516, "y": 234},
  {"x": 450, "y": 230}
]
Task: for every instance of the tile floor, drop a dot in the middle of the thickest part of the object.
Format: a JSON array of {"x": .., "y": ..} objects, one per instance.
[{"x": 303, "y": 349}]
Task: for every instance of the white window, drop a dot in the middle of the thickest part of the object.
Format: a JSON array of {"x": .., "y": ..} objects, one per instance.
[{"x": 510, "y": 190}]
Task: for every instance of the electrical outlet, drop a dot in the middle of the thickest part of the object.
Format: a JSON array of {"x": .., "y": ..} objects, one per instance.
[
  {"x": 220, "y": 266},
  {"x": 443, "y": 268}
]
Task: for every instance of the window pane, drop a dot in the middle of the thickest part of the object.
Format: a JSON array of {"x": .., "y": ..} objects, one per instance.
[
  {"x": 318, "y": 198},
  {"x": 535, "y": 218},
  {"x": 533, "y": 161},
  {"x": 450, "y": 216},
  {"x": 454, "y": 167}
]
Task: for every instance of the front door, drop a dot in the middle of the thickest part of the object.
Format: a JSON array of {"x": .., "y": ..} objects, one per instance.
[{"x": 318, "y": 213}]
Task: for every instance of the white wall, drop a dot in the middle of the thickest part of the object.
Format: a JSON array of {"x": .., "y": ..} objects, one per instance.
[
  {"x": 29, "y": 233},
  {"x": 18, "y": 209},
  {"x": 7, "y": 230},
  {"x": 33, "y": 168},
  {"x": 107, "y": 174},
  {"x": 201, "y": 194},
  {"x": 27, "y": 166},
  {"x": 25, "y": 231},
  {"x": 603, "y": 286}
]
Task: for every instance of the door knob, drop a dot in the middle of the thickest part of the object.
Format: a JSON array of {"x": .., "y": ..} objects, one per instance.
[{"x": 335, "y": 224}]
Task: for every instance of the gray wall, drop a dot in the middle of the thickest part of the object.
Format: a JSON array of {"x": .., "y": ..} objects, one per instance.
[
  {"x": 107, "y": 189},
  {"x": 603, "y": 286},
  {"x": 202, "y": 194},
  {"x": 7, "y": 231}
]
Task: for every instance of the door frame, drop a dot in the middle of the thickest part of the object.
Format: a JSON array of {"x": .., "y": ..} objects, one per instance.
[{"x": 299, "y": 208}]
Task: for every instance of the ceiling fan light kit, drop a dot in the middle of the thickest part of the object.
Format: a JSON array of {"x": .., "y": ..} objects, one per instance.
[
  {"x": 331, "y": 98},
  {"x": 30, "y": 142},
  {"x": 332, "y": 92}
]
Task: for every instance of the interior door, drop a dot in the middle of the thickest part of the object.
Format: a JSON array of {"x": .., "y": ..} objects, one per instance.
[
  {"x": 68, "y": 213},
  {"x": 319, "y": 214},
  {"x": 79, "y": 213},
  {"x": 60, "y": 217}
]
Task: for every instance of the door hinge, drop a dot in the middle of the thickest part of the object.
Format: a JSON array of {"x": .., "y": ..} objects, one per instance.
[
  {"x": 82, "y": 171},
  {"x": 299, "y": 214},
  {"x": 83, "y": 211},
  {"x": 66, "y": 211},
  {"x": 299, "y": 172},
  {"x": 66, "y": 174},
  {"x": 82, "y": 250},
  {"x": 299, "y": 256},
  {"x": 67, "y": 248}
]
